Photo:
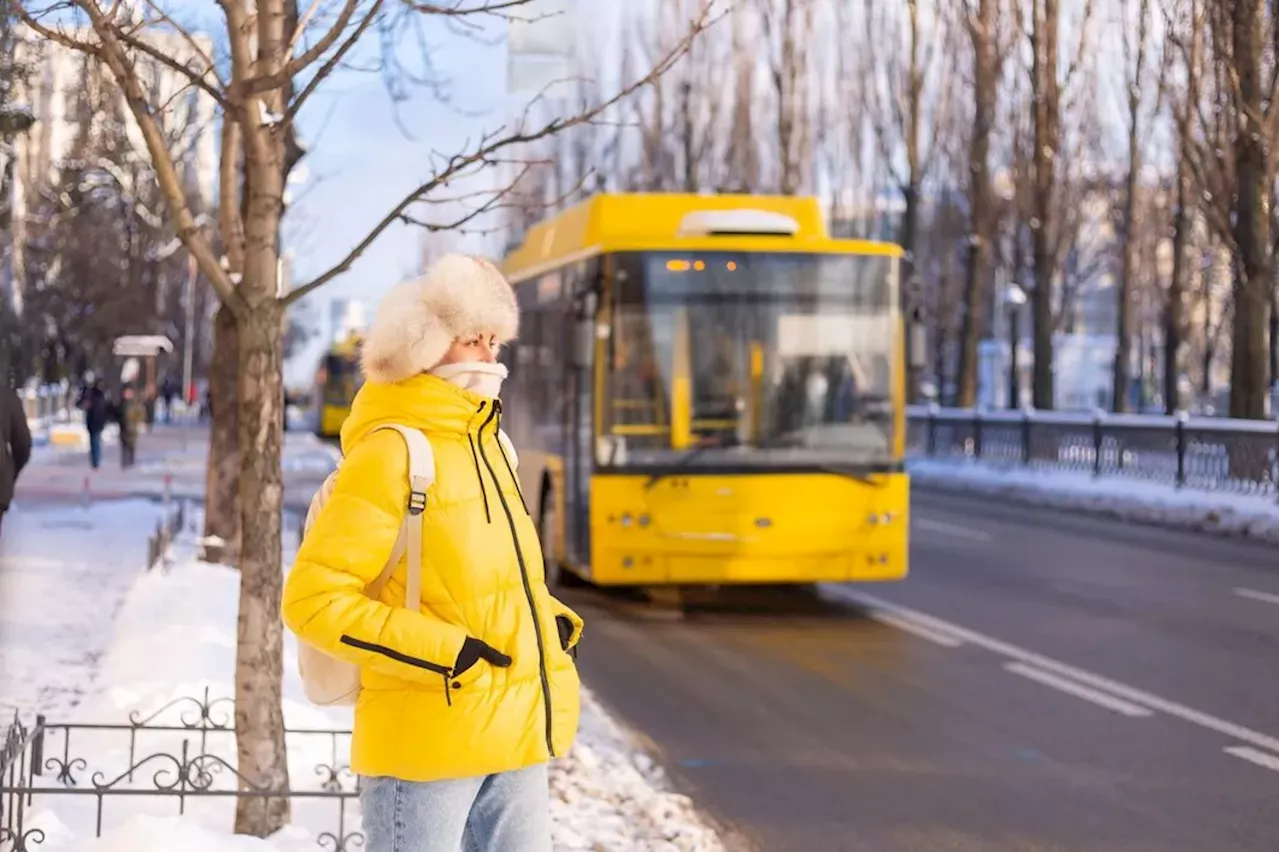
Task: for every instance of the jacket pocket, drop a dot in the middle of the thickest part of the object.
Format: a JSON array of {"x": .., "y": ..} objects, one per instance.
[{"x": 564, "y": 629}]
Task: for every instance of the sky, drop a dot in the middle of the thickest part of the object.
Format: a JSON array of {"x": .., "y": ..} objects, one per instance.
[{"x": 365, "y": 152}]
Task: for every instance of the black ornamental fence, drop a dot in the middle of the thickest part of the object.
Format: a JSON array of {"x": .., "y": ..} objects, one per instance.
[
  {"x": 1204, "y": 453},
  {"x": 40, "y": 761}
]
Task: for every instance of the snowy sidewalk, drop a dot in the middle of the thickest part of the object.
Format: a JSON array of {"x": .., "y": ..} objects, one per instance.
[
  {"x": 64, "y": 573},
  {"x": 1250, "y": 515},
  {"x": 176, "y": 639}
]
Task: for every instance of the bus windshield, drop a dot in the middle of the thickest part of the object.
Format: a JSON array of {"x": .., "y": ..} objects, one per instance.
[
  {"x": 340, "y": 379},
  {"x": 752, "y": 359}
]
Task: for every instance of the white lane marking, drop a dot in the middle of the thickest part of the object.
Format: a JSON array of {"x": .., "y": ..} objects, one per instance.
[
  {"x": 905, "y": 624},
  {"x": 1102, "y": 699},
  {"x": 1253, "y": 594},
  {"x": 1155, "y": 702},
  {"x": 950, "y": 529},
  {"x": 1254, "y": 756}
]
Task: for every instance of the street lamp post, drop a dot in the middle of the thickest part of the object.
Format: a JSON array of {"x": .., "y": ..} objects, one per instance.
[{"x": 1014, "y": 299}]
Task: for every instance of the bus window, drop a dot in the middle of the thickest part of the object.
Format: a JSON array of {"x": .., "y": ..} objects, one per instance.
[
  {"x": 788, "y": 357},
  {"x": 342, "y": 379}
]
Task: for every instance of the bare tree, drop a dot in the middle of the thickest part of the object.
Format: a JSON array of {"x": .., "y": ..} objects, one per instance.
[
  {"x": 1137, "y": 49},
  {"x": 1232, "y": 162},
  {"x": 1185, "y": 108},
  {"x": 743, "y": 170},
  {"x": 787, "y": 38},
  {"x": 898, "y": 73},
  {"x": 256, "y": 93},
  {"x": 1048, "y": 83},
  {"x": 982, "y": 22},
  {"x": 1244, "y": 45}
]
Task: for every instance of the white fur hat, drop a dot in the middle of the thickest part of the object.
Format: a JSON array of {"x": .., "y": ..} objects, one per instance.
[{"x": 416, "y": 323}]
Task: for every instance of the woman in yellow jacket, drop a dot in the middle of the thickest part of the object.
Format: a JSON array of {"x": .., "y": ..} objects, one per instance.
[{"x": 464, "y": 702}]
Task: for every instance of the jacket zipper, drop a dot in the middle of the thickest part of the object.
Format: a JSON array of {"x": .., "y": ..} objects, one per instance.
[
  {"x": 416, "y": 662},
  {"x": 524, "y": 575}
]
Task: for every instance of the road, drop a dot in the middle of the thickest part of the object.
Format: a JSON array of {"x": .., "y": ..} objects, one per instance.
[{"x": 1042, "y": 681}]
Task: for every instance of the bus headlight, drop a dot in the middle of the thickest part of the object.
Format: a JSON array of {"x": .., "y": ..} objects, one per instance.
[{"x": 626, "y": 519}]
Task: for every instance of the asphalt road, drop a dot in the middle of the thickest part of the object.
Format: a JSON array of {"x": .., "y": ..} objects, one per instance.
[{"x": 1042, "y": 681}]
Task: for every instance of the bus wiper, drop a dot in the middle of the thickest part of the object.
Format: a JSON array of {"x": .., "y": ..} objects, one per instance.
[
  {"x": 854, "y": 474},
  {"x": 681, "y": 463}
]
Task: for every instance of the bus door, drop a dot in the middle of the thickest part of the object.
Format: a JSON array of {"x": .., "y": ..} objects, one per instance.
[{"x": 580, "y": 436}]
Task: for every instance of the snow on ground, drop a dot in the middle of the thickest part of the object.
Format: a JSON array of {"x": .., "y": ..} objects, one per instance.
[
  {"x": 176, "y": 638},
  {"x": 1253, "y": 516},
  {"x": 64, "y": 573}
]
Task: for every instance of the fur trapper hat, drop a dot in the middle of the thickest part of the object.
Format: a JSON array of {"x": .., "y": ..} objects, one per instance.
[{"x": 416, "y": 323}]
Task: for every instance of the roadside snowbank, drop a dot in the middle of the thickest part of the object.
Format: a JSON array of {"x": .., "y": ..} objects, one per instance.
[
  {"x": 175, "y": 640},
  {"x": 1148, "y": 502}
]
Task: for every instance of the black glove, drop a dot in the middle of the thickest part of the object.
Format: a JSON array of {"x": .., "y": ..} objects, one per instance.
[
  {"x": 474, "y": 650},
  {"x": 564, "y": 626}
]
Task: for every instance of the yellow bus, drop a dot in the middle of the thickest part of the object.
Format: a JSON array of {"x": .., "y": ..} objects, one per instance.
[
  {"x": 338, "y": 377},
  {"x": 707, "y": 390}
]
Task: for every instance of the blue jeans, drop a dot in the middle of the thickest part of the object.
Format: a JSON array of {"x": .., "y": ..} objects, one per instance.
[
  {"x": 95, "y": 448},
  {"x": 507, "y": 812}
]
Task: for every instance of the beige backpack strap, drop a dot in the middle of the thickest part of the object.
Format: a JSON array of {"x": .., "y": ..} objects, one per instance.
[{"x": 422, "y": 472}]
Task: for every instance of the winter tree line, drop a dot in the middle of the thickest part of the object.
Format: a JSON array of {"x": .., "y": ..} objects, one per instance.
[
  {"x": 1052, "y": 145},
  {"x": 97, "y": 256}
]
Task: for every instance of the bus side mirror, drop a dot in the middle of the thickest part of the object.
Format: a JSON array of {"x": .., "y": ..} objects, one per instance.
[
  {"x": 582, "y": 346},
  {"x": 917, "y": 345}
]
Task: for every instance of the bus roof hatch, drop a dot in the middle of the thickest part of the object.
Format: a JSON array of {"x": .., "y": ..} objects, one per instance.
[{"x": 711, "y": 223}]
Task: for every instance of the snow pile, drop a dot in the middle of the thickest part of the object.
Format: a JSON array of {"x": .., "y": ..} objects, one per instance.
[
  {"x": 145, "y": 832},
  {"x": 1253, "y": 516},
  {"x": 175, "y": 639},
  {"x": 608, "y": 794}
]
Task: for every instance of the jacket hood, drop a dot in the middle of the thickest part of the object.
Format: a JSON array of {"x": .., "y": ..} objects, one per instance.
[
  {"x": 460, "y": 296},
  {"x": 424, "y": 402}
]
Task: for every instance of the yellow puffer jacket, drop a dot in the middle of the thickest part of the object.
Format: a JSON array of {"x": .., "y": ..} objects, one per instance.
[{"x": 481, "y": 576}]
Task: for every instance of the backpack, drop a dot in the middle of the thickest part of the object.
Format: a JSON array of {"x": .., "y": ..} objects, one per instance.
[{"x": 326, "y": 680}]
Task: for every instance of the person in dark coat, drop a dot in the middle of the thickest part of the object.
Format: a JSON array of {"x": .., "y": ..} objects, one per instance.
[
  {"x": 15, "y": 445},
  {"x": 93, "y": 402}
]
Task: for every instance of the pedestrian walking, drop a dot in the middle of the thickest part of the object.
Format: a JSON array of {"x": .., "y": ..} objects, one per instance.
[
  {"x": 15, "y": 446},
  {"x": 129, "y": 417},
  {"x": 93, "y": 402},
  {"x": 466, "y": 697}
]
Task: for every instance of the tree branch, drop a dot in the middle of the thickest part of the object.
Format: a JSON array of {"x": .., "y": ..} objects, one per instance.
[
  {"x": 196, "y": 79},
  {"x": 185, "y": 226},
  {"x": 56, "y": 36},
  {"x": 491, "y": 144},
  {"x": 267, "y": 82},
  {"x": 292, "y": 108}
]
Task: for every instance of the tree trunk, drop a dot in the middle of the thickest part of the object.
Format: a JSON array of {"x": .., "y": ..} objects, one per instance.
[
  {"x": 981, "y": 224},
  {"x": 260, "y": 741},
  {"x": 1124, "y": 294},
  {"x": 1046, "y": 96},
  {"x": 261, "y": 752},
  {"x": 221, "y": 507},
  {"x": 1249, "y": 351},
  {"x": 911, "y": 197},
  {"x": 910, "y": 297},
  {"x": 1173, "y": 308}
]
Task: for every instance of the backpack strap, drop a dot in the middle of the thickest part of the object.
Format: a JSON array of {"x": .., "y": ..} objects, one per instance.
[
  {"x": 508, "y": 448},
  {"x": 422, "y": 473}
]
